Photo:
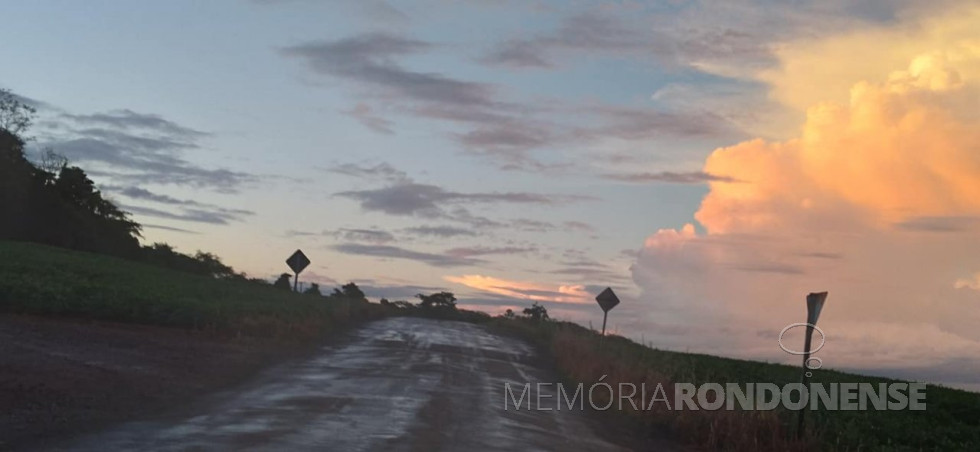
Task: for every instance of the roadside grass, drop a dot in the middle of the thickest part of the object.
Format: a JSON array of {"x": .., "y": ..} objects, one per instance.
[
  {"x": 43, "y": 280},
  {"x": 951, "y": 421}
]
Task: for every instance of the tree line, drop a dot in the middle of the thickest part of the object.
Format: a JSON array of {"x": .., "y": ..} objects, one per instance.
[{"x": 53, "y": 202}]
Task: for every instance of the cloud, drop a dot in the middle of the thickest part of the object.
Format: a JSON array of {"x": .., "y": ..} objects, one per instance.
[
  {"x": 362, "y": 235},
  {"x": 523, "y": 290},
  {"x": 439, "y": 231},
  {"x": 129, "y": 147},
  {"x": 195, "y": 215},
  {"x": 168, "y": 228},
  {"x": 410, "y": 198},
  {"x": 381, "y": 171},
  {"x": 365, "y": 114},
  {"x": 126, "y": 119},
  {"x": 689, "y": 177},
  {"x": 874, "y": 200},
  {"x": 189, "y": 210},
  {"x": 512, "y": 134},
  {"x": 489, "y": 250},
  {"x": 367, "y": 59},
  {"x": 594, "y": 273},
  {"x": 972, "y": 283},
  {"x": 577, "y": 33},
  {"x": 578, "y": 226},
  {"x": 940, "y": 224},
  {"x": 394, "y": 252},
  {"x": 630, "y": 123},
  {"x": 516, "y": 53}
]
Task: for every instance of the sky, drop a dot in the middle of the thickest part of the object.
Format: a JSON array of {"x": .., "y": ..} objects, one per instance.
[{"x": 712, "y": 162}]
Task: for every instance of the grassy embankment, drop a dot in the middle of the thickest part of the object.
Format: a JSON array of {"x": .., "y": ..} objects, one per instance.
[
  {"x": 43, "y": 280},
  {"x": 951, "y": 421}
]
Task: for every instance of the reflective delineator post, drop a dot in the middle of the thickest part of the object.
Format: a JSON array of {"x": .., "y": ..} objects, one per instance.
[{"x": 814, "y": 303}]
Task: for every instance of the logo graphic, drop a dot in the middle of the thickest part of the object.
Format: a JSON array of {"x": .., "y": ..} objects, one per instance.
[{"x": 812, "y": 363}]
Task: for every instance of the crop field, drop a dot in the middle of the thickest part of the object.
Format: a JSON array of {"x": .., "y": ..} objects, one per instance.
[
  {"x": 951, "y": 420},
  {"x": 43, "y": 280}
]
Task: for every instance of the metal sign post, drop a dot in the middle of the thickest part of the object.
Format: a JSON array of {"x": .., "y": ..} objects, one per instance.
[
  {"x": 607, "y": 300},
  {"x": 814, "y": 304},
  {"x": 297, "y": 262}
]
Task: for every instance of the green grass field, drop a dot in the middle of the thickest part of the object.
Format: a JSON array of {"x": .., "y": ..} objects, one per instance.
[
  {"x": 951, "y": 421},
  {"x": 43, "y": 280}
]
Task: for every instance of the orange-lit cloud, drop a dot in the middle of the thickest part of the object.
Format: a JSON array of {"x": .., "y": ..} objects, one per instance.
[
  {"x": 875, "y": 199},
  {"x": 524, "y": 290}
]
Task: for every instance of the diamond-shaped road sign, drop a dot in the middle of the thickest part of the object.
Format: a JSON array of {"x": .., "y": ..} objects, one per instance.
[
  {"x": 298, "y": 261},
  {"x": 607, "y": 299}
]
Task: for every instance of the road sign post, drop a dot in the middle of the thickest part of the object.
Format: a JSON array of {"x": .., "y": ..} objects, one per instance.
[
  {"x": 297, "y": 263},
  {"x": 814, "y": 304},
  {"x": 607, "y": 300}
]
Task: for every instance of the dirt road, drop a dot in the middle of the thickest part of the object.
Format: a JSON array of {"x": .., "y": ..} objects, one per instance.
[{"x": 401, "y": 384}]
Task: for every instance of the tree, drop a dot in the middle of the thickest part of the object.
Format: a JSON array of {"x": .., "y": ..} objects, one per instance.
[
  {"x": 438, "y": 301},
  {"x": 314, "y": 289},
  {"x": 349, "y": 291},
  {"x": 509, "y": 314},
  {"x": 402, "y": 304},
  {"x": 283, "y": 282},
  {"x": 536, "y": 312},
  {"x": 211, "y": 265},
  {"x": 15, "y": 115}
]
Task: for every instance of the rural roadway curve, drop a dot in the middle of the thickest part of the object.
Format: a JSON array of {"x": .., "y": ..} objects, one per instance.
[{"x": 401, "y": 384}]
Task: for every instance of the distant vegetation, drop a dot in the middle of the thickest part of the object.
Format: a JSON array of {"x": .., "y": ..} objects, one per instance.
[
  {"x": 38, "y": 279},
  {"x": 950, "y": 422}
]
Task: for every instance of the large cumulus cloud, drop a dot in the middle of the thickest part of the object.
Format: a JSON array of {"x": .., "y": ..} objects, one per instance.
[{"x": 876, "y": 199}]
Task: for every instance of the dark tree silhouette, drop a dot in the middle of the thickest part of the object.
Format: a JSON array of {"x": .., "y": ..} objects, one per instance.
[
  {"x": 349, "y": 291},
  {"x": 314, "y": 289},
  {"x": 438, "y": 301},
  {"x": 62, "y": 209},
  {"x": 284, "y": 282},
  {"x": 402, "y": 304},
  {"x": 55, "y": 203},
  {"x": 536, "y": 312},
  {"x": 15, "y": 115}
]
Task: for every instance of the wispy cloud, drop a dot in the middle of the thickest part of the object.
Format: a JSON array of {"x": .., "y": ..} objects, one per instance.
[
  {"x": 368, "y": 59},
  {"x": 394, "y": 252},
  {"x": 132, "y": 147},
  {"x": 439, "y": 231},
  {"x": 940, "y": 224},
  {"x": 410, "y": 198},
  {"x": 362, "y": 235},
  {"x": 490, "y": 250},
  {"x": 688, "y": 177},
  {"x": 188, "y": 210},
  {"x": 523, "y": 290},
  {"x": 365, "y": 114},
  {"x": 381, "y": 171},
  {"x": 195, "y": 215}
]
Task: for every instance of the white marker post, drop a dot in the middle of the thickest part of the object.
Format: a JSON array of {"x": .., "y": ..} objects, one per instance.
[{"x": 814, "y": 304}]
